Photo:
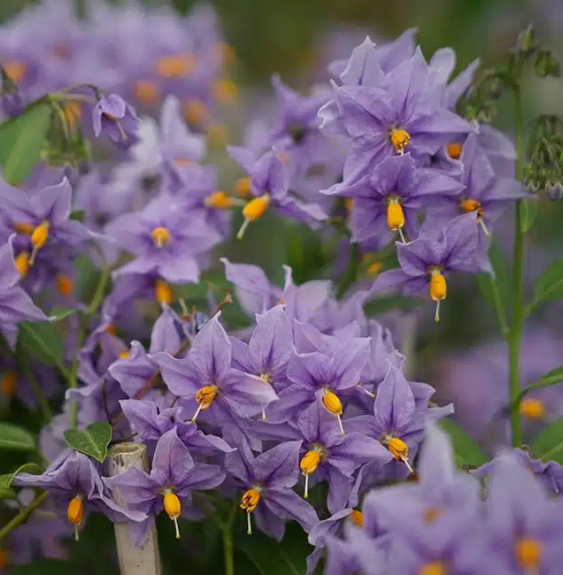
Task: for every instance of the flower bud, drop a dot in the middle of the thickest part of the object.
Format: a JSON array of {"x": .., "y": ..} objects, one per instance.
[
  {"x": 546, "y": 65},
  {"x": 527, "y": 43},
  {"x": 554, "y": 190}
]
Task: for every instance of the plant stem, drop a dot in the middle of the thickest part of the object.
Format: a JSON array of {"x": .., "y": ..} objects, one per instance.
[
  {"x": 517, "y": 270},
  {"x": 499, "y": 309},
  {"x": 23, "y": 515},
  {"x": 227, "y": 530}
]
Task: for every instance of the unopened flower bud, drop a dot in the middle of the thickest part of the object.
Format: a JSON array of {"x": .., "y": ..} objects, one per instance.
[
  {"x": 527, "y": 43},
  {"x": 554, "y": 190},
  {"x": 546, "y": 65}
]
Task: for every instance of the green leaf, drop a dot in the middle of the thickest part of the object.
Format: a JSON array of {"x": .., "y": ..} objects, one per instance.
[
  {"x": 78, "y": 215},
  {"x": 6, "y": 491},
  {"x": 528, "y": 213},
  {"x": 42, "y": 341},
  {"x": 553, "y": 377},
  {"x": 549, "y": 285},
  {"x": 21, "y": 140},
  {"x": 467, "y": 452},
  {"x": 502, "y": 277},
  {"x": 269, "y": 557},
  {"x": 46, "y": 567},
  {"x": 549, "y": 445},
  {"x": 93, "y": 441},
  {"x": 15, "y": 437}
]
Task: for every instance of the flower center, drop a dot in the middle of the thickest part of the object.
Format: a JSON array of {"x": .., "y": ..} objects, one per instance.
[
  {"x": 21, "y": 262},
  {"x": 204, "y": 397},
  {"x": 224, "y": 91},
  {"x": 219, "y": 201},
  {"x": 64, "y": 285},
  {"x": 438, "y": 288},
  {"x": 400, "y": 139},
  {"x": 15, "y": 70},
  {"x": 472, "y": 206},
  {"x": 430, "y": 515},
  {"x": 243, "y": 187},
  {"x": 173, "y": 508},
  {"x": 195, "y": 112},
  {"x": 433, "y": 568},
  {"x": 398, "y": 448},
  {"x": 532, "y": 408},
  {"x": 528, "y": 553},
  {"x": 163, "y": 293},
  {"x": 310, "y": 461},
  {"x": 75, "y": 513},
  {"x": 176, "y": 66},
  {"x": 357, "y": 518},
  {"x": 395, "y": 214},
  {"x": 39, "y": 237},
  {"x": 253, "y": 210},
  {"x": 160, "y": 236},
  {"x": 147, "y": 92},
  {"x": 8, "y": 383},
  {"x": 454, "y": 150}
]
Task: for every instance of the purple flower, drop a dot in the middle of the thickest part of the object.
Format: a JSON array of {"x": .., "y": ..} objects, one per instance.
[
  {"x": 15, "y": 303},
  {"x": 169, "y": 485},
  {"x": 163, "y": 243},
  {"x": 484, "y": 193},
  {"x": 425, "y": 261},
  {"x": 206, "y": 375},
  {"x": 390, "y": 198},
  {"x": 524, "y": 523},
  {"x": 402, "y": 114},
  {"x": 268, "y": 480},
  {"x": 76, "y": 487},
  {"x": 116, "y": 118},
  {"x": 270, "y": 187}
]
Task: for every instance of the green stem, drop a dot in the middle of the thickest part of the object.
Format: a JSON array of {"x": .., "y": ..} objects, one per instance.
[
  {"x": 499, "y": 308},
  {"x": 23, "y": 515},
  {"x": 228, "y": 548},
  {"x": 517, "y": 292}
]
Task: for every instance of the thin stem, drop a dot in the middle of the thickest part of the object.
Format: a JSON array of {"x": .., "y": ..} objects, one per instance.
[
  {"x": 515, "y": 334},
  {"x": 23, "y": 515},
  {"x": 499, "y": 308},
  {"x": 227, "y": 529}
]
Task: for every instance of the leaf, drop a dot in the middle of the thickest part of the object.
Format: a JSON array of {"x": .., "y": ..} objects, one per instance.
[
  {"x": 502, "y": 277},
  {"x": 528, "y": 213},
  {"x": 78, "y": 215},
  {"x": 269, "y": 557},
  {"x": 93, "y": 441},
  {"x": 15, "y": 437},
  {"x": 42, "y": 340},
  {"x": 466, "y": 450},
  {"x": 549, "y": 445},
  {"x": 21, "y": 140},
  {"x": 46, "y": 567},
  {"x": 6, "y": 491},
  {"x": 553, "y": 377},
  {"x": 549, "y": 285}
]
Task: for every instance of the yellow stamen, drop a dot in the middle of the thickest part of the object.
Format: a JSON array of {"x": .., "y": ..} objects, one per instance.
[
  {"x": 374, "y": 269},
  {"x": 163, "y": 293},
  {"x": 146, "y": 92},
  {"x": 124, "y": 354},
  {"x": 217, "y": 135},
  {"x": 8, "y": 383},
  {"x": 224, "y": 91},
  {"x": 433, "y": 568},
  {"x": 219, "y": 200},
  {"x": 308, "y": 464},
  {"x": 75, "y": 513},
  {"x": 333, "y": 405},
  {"x": 176, "y": 66},
  {"x": 204, "y": 397},
  {"x": 21, "y": 262},
  {"x": 395, "y": 214},
  {"x": 160, "y": 236},
  {"x": 357, "y": 518},
  {"x": 226, "y": 53},
  {"x": 400, "y": 140},
  {"x": 243, "y": 187},
  {"x": 39, "y": 237},
  {"x": 111, "y": 329},
  {"x": 397, "y": 447},
  {"x": 64, "y": 284},
  {"x": 532, "y": 408},
  {"x": 250, "y": 500},
  {"x": 24, "y": 228},
  {"x": 430, "y": 515},
  {"x": 349, "y": 204},
  {"x": 253, "y": 210},
  {"x": 196, "y": 112},
  {"x": 438, "y": 289},
  {"x": 15, "y": 70},
  {"x": 454, "y": 151},
  {"x": 173, "y": 508},
  {"x": 528, "y": 554},
  {"x": 468, "y": 206}
]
